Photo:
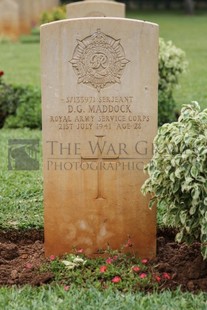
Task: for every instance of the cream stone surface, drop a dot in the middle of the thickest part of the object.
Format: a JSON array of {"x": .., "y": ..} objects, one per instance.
[
  {"x": 9, "y": 18},
  {"x": 37, "y": 7},
  {"x": 99, "y": 94},
  {"x": 98, "y": 8},
  {"x": 25, "y": 15},
  {"x": 55, "y": 3},
  {"x": 49, "y": 4},
  {"x": 45, "y": 5}
]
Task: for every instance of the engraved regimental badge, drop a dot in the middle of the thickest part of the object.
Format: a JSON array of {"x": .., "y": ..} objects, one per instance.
[{"x": 99, "y": 60}]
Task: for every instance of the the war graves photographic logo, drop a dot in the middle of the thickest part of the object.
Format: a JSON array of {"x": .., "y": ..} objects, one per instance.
[
  {"x": 99, "y": 60},
  {"x": 23, "y": 154}
]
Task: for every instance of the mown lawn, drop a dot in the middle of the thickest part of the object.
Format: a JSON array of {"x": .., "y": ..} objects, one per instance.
[
  {"x": 20, "y": 63},
  {"x": 55, "y": 298},
  {"x": 21, "y": 191},
  {"x": 188, "y": 33}
]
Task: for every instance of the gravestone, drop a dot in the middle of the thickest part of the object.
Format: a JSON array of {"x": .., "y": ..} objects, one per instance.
[
  {"x": 37, "y": 9},
  {"x": 45, "y": 5},
  {"x": 25, "y": 19},
  {"x": 54, "y": 3},
  {"x": 95, "y": 8},
  {"x": 9, "y": 18},
  {"x": 49, "y": 4},
  {"x": 99, "y": 94}
]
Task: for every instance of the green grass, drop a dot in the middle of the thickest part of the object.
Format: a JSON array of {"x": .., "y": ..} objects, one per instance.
[
  {"x": 20, "y": 62},
  {"x": 188, "y": 33},
  {"x": 21, "y": 191},
  {"x": 55, "y": 298}
]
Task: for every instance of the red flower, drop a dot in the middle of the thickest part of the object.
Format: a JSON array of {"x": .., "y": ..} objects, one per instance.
[
  {"x": 135, "y": 269},
  {"x": 79, "y": 251},
  {"x": 128, "y": 244},
  {"x": 1, "y": 73},
  {"x": 166, "y": 276},
  {"x": 103, "y": 269},
  {"x": 109, "y": 260},
  {"x": 157, "y": 278},
  {"x": 116, "y": 279},
  {"x": 52, "y": 257},
  {"x": 66, "y": 288},
  {"x": 143, "y": 275},
  {"x": 144, "y": 261}
]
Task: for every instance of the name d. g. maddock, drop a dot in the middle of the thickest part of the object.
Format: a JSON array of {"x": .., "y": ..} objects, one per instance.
[{"x": 123, "y": 108}]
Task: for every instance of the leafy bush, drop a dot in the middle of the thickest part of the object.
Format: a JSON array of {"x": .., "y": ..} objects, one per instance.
[
  {"x": 9, "y": 99},
  {"x": 56, "y": 13},
  {"x": 178, "y": 175},
  {"x": 28, "y": 112},
  {"x": 171, "y": 64}
]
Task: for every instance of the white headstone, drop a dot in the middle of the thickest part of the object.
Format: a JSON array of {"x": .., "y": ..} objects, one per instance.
[
  {"x": 99, "y": 94},
  {"x": 95, "y": 8},
  {"x": 37, "y": 10},
  {"x": 25, "y": 16},
  {"x": 9, "y": 18}
]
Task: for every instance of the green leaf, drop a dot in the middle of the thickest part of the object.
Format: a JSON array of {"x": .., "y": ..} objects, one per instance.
[
  {"x": 194, "y": 172},
  {"x": 183, "y": 216},
  {"x": 195, "y": 193},
  {"x": 204, "y": 250},
  {"x": 192, "y": 210},
  {"x": 179, "y": 236},
  {"x": 172, "y": 177},
  {"x": 176, "y": 187},
  {"x": 152, "y": 202},
  {"x": 178, "y": 173}
]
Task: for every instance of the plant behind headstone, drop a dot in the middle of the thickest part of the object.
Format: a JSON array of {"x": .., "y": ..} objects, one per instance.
[
  {"x": 172, "y": 64},
  {"x": 57, "y": 13},
  {"x": 28, "y": 111},
  {"x": 178, "y": 175},
  {"x": 9, "y": 99}
]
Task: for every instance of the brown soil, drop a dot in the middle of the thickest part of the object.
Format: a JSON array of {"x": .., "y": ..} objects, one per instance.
[{"x": 22, "y": 254}]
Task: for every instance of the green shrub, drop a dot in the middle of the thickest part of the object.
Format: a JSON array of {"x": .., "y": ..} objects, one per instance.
[
  {"x": 28, "y": 112},
  {"x": 171, "y": 64},
  {"x": 55, "y": 14},
  {"x": 178, "y": 175},
  {"x": 9, "y": 99}
]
